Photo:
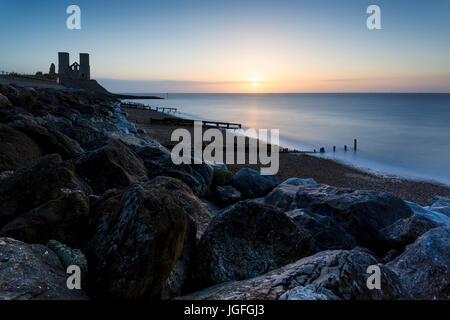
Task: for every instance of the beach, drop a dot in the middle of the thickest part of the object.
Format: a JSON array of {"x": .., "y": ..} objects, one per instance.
[{"x": 322, "y": 170}]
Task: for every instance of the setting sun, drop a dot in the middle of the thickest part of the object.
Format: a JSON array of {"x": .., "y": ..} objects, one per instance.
[{"x": 254, "y": 84}]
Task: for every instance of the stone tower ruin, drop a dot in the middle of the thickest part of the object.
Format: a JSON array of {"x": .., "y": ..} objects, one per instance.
[{"x": 74, "y": 71}]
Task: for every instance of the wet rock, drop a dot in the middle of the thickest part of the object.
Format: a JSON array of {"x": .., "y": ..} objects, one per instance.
[
  {"x": 325, "y": 232},
  {"x": 40, "y": 182},
  {"x": 361, "y": 213},
  {"x": 137, "y": 236},
  {"x": 158, "y": 162},
  {"x": 226, "y": 195},
  {"x": 32, "y": 272},
  {"x": 424, "y": 266},
  {"x": 16, "y": 149},
  {"x": 341, "y": 272},
  {"x": 62, "y": 219},
  {"x": 111, "y": 166},
  {"x": 246, "y": 240},
  {"x": 252, "y": 184}
]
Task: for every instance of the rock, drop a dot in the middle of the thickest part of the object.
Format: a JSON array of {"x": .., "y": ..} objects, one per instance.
[
  {"x": 63, "y": 219},
  {"x": 226, "y": 195},
  {"x": 325, "y": 232},
  {"x": 341, "y": 272},
  {"x": 32, "y": 272},
  {"x": 428, "y": 214},
  {"x": 111, "y": 166},
  {"x": 82, "y": 132},
  {"x": 158, "y": 162},
  {"x": 361, "y": 213},
  {"x": 137, "y": 236},
  {"x": 177, "y": 283},
  {"x": 49, "y": 140},
  {"x": 406, "y": 231},
  {"x": 206, "y": 172},
  {"x": 193, "y": 206},
  {"x": 246, "y": 240},
  {"x": 308, "y": 292},
  {"x": 69, "y": 256},
  {"x": 5, "y": 174},
  {"x": 441, "y": 205},
  {"x": 300, "y": 182},
  {"x": 40, "y": 182},
  {"x": 16, "y": 149},
  {"x": 222, "y": 177},
  {"x": 252, "y": 184},
  {"x": 4, "y": 102},
  {"x": 23, "y": 97},
  {"x": 424, "y": 266}
]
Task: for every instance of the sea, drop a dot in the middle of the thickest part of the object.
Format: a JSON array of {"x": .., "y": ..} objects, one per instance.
[{"x": 398, "y": 134}]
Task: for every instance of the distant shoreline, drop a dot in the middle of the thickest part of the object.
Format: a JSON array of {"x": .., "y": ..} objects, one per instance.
[{"x": 322, "y": 170}]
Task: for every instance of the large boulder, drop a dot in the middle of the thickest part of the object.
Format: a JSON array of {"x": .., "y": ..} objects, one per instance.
[
  {"x": 137, "y": 236},
  {"x": 252, "y": 184},
  {"x": 32, "y": 272},
  {"x": 424, "y": 266},
  {"x": 111, "y": 166},
  {"x": 326, "y": 233},
  {"x": 62, "y": 219},
  {"x": 16, "y": 149},
  {"x": 49, "y": 140},
  {"x": 193, "y": 206},
  {"x": 245, "y": 240},
  {"x": 40, "y": 182},
  {"x": 335, "y": 274},
  {"x": 361, "y": 213},
  {"x": 177, "y": 283},
  {"x": 158, "y": 162}
]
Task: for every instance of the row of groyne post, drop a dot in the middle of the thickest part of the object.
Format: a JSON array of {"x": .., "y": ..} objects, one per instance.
[{"x": 321, "y": 150}]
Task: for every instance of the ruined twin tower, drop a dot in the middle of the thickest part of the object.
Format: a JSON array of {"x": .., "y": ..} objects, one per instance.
[{"x": 80, "y": 71}]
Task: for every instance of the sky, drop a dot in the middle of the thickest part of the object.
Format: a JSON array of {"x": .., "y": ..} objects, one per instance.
[{"x": 237, "y": 46}]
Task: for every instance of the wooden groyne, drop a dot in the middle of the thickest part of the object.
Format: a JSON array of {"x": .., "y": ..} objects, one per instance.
[{"x": 142, "y": 106}]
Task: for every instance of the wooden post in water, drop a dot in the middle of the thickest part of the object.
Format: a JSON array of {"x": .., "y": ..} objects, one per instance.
[
  {"x": 345, "y": 148},
  {"x": 354, "y": 146},
  {"x": 334, "y": 148}
]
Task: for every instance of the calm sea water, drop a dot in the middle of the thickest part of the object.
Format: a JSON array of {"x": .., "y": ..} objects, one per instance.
[{"x": 399, "y": 134}]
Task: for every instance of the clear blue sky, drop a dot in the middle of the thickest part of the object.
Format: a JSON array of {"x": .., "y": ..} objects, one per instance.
[{"x": 237, "y": 46}]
